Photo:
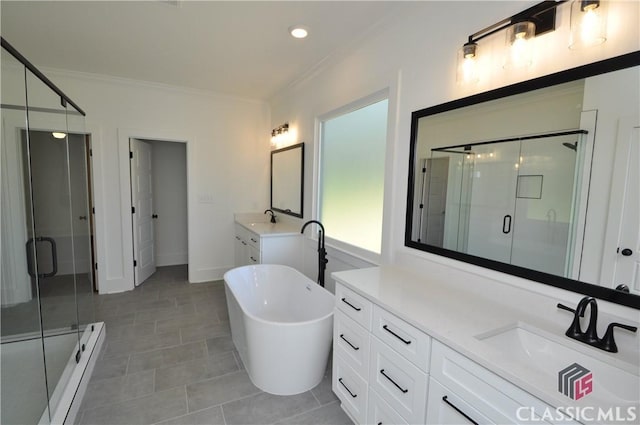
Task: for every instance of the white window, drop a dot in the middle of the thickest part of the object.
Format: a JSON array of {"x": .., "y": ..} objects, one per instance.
[{"x": 351, "y": 175}]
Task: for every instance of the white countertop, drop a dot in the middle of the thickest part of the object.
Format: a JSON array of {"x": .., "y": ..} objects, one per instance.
[
  {"x": 454, "y": 307},
  {"x": 267, "y": 229}
]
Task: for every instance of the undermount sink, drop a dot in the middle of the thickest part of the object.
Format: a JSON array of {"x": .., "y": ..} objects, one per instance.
[
  {"x": 262, "y": 226},
  {"x": 547, "y": 354}
]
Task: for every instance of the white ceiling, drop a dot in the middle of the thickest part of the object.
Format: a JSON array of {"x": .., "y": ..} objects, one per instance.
[{"x": 239, "y": 48}]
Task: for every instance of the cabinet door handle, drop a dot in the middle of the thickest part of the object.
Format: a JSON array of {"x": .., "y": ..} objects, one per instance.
[
  {"x": 348, "y": 342},
  {"x": 238, "y": 238},
  {"x": 253, "y": 259},
  {"x": 454, "y": 407},
  {"x": 347, "y": 388},
  {"x": 396, "y": 335},
  {"x": 350, "y": 305},
  {"x": 244, "y": 243},
  {"x": 253, "y": 240},
  {"x": 404, "y": 390}
]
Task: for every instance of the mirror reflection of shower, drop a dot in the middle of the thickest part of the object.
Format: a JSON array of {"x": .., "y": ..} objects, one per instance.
[{"x": 510, "y": 200}]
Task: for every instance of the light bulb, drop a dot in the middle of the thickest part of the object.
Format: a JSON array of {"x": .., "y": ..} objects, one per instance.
[
  {"x": 59, "y": 135},
  {"x": 298, "y": 31},
  {"x": 467, "y": 71},
  {"x": 588, "y": 24},
  {"x": 519, "y": 44}
]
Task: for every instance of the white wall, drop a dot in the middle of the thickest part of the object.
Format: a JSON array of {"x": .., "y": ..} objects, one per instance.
[
  {"x": 169, "y": 168},
  {"x": 227, "y": 155},
  {"x": 414, "y": 56}
]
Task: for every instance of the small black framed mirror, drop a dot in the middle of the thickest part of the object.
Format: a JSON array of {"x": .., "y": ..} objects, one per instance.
[{"x": 287, "y": 180}]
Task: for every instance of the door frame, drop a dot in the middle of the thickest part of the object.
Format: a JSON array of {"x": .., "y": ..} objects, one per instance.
[
  {"x": 626, "y": 127},
  {"x": 125, "y": 281}
]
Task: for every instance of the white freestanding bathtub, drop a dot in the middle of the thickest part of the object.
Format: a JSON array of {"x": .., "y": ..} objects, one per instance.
[{"x": 281, "y": 324}]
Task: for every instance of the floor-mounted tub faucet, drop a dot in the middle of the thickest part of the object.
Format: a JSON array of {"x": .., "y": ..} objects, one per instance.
[
  {"x": 273, "y": 216},
  {"x": 322, "y": 253}
]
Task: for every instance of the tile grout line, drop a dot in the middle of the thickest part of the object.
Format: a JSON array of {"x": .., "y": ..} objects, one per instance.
[{"x": 186, "y": 399}]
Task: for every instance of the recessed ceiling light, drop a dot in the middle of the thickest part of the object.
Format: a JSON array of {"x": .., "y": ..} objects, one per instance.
[
  {"x": 59, "y": 135},
  {"x": 298, "y": 31}
]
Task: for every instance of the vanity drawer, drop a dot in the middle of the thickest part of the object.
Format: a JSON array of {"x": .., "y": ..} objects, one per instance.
[
  {"x": 398, "y": 381},
  {"x": 254, "y": 240},
  {"x": 444, "y": 407},
  {"x": 380, "y": 413},
  {"x": 350, "y": 388},
  {"x": 490, "y": 395},
  {"x": 355, "y": 306},
  {"x": 406, "y": 339},
  {"x": 353, "y": 342},
  {"x": 254, "y": 255}
]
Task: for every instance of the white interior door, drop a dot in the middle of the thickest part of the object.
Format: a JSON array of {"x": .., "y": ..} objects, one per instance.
[
  {"x": 142, "y": 210},
  {"x": 436, "y": 190},
  {"x": 621, "y": 262}
]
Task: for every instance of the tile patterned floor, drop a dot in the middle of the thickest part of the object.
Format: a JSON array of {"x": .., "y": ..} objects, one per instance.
[{"x": 168, "y": 359}]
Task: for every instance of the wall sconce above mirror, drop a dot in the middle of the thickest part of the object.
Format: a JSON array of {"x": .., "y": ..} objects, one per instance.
[
  {"x": 588, "y": 28},
  {"x": 280, "y": 135},
  {"x": 532, "y": 184},
  {"x": 287, "y": 180}
]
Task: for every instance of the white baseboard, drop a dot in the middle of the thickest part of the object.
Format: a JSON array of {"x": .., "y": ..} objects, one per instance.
[
  {"x": 173, "y": 259},
  {"x": 206, "y": 275}
]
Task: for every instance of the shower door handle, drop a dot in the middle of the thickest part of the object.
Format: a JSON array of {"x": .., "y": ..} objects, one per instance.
[
  {"x": 506, "y": 224},
  {"x": 54, "y": 256}
]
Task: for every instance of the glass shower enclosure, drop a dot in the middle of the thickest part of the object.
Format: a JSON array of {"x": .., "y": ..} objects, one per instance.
[
  {"x": 511, "y": 200},
  {"x": 47, "y": 283}
]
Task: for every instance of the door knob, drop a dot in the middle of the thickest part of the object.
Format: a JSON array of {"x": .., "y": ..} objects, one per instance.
[
  {"x": 626, "y": 252},
  {"x": 622, "y": 287}
]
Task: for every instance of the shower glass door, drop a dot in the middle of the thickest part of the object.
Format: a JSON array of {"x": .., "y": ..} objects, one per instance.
[
  {"x": 492, "y": 210},
  {"x": 46, "y": 284},
  {"x": 24, "y": 393},
  {"x": 544, "y": 201},
  {"x": 51, "y": 205}
]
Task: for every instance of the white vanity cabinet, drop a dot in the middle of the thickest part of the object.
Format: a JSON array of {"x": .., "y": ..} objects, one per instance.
[
  {"x": 351, "y": 352},
  {"x": 266, "y": 247},
  {"x": 380, "y": 362},
  {"x": 388, "y": 371}
]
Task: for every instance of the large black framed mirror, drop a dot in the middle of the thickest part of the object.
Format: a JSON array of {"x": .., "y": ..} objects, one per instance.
[
  {"x": 287, "y": 180},
  {"x": 538, "y": 179}
]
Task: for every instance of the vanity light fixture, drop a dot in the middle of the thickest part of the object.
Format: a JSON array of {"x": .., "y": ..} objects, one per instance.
[
  {"x": 279, "y": 133},
  {"x": 468, "y": 63},
  {"x": 298, "y": 31},
  {"x": 588, "y": 23},
  {"x": 521, "y": 28},
  {"x": 59, "y": 135}
]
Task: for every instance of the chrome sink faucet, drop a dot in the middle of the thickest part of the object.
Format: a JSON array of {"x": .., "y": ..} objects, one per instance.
[{"x": 590, "y": 337}]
